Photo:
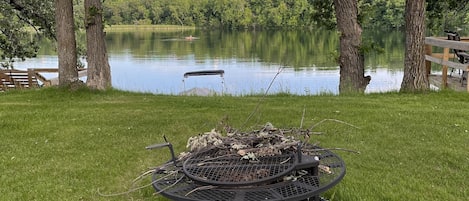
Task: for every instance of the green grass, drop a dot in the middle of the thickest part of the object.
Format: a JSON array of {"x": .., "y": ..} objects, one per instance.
[{"x": 60, "y": 145}]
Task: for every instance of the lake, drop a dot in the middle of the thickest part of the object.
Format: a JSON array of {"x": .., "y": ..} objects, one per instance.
[{"x": 297, "y": 62}]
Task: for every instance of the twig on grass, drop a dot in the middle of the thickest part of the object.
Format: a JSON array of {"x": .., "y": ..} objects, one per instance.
[
  {"x": 338, "y": 121},
  {"x": 142, "y": 187}
]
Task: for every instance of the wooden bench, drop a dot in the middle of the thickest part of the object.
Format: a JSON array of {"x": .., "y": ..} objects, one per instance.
[
  {"x": 31, "y": 78},
  {"x": 18, "y": 79}
]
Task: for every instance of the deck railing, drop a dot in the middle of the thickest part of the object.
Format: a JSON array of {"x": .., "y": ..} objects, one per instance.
[{"x": 444, "y": 58}]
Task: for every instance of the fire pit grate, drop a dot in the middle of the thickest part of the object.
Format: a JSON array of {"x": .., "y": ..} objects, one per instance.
[{"x": 228, "y": 170}]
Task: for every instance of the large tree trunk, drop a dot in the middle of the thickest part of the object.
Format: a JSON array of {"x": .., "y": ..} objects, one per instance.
[
  {"x": 99, "y": 71},
  {"x": 415, "y": 76},
  {"x": 351, "y": 59},
  {"x": 66, "y": 43}
]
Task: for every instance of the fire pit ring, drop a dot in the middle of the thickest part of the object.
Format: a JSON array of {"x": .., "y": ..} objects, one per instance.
[{"x": 302, "y": 180}]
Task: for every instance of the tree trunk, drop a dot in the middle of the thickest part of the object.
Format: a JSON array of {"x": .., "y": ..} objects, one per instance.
[
  {"x": 351, "y": 59},
  {"x": 99, "y": 71},
  {"x": 66, "y": 43},
  {"x": 415, "y": 76}
]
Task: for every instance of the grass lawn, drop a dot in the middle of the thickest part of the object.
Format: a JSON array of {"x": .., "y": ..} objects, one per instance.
[{"x": 60, "y": 145}]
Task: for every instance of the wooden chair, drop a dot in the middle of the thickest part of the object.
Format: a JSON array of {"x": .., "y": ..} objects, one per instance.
[{"x": 461, "y": 55}]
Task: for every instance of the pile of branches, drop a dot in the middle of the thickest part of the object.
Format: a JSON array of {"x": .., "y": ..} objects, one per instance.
[{"x": 267, "y": 141}]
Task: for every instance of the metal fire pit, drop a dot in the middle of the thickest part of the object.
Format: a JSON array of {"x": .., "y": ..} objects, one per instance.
[{"x": 210, "y": 175}]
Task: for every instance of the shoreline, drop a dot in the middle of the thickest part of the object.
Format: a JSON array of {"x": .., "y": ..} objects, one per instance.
[{"x": 147, "y": 27}]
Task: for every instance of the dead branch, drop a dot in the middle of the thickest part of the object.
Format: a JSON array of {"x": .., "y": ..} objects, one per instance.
[
  {"x": 329, "y": 149},
  {"x": 335, "y": 120},
  {"x": 303, "y": 116},
  {"x": 263, "y": 97},
  {"x": 243, "y": 152},
  {"x": 201, "y": 188}
]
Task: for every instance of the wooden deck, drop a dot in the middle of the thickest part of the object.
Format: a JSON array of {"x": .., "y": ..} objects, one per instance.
[{"x": 453, "y": 82}]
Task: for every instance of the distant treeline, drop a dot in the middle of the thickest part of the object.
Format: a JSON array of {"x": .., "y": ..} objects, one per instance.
[
  {"x": 241, "y": 14},
  {"x": 267, "y": 14}
]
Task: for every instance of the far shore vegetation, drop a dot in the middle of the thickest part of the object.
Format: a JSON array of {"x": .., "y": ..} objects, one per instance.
[{"x": 160, "y": 28}]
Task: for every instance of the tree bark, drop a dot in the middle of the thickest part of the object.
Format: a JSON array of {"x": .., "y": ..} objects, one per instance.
[
  {"x": 99, "y": 71},
  {"x": 66, "y": 43},
  {"x": 415, "y": 76},
  {"x": 351, "y": 59}
]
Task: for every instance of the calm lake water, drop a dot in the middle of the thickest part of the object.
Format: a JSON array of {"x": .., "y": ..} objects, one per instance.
[{"x": 298, "y": 62}]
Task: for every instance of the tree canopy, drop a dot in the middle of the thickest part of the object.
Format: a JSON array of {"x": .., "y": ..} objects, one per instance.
[
  {"x": 447, "y": 15},
  {"x": 17, "y": 17}
]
